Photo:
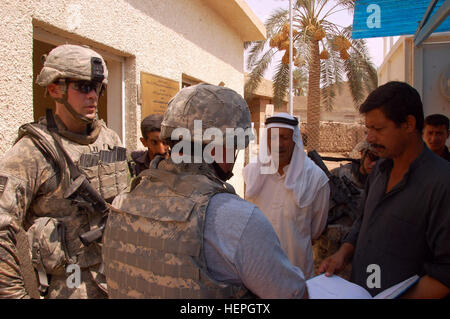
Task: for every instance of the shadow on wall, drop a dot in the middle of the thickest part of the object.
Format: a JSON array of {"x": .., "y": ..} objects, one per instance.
[{"x": 172, "y": 14}]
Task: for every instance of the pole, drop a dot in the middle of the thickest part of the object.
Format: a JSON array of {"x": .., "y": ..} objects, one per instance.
[{"x": 291, "y": 106}]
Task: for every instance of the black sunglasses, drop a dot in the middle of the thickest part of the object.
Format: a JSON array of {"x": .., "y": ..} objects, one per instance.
[{"x": 87, "y": 86}]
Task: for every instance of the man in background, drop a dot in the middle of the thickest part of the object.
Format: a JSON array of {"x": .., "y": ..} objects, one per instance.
[
  {"x": 150, "y": 129},
  {"x": 341, "y": 216},
  {"x": 183, "y": 232},
  {"x": 436, "y": 133},
  {"x": 295, "y": 195}
]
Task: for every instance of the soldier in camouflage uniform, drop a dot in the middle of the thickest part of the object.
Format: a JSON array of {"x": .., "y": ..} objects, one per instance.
[
  {"x": 42, "y": 213},
  {"x": 182, "y": 231},
  {"x": 356, "y": 172}
]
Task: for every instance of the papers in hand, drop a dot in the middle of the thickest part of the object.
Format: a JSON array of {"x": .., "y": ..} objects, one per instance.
[{"x": 334, "y": 287}]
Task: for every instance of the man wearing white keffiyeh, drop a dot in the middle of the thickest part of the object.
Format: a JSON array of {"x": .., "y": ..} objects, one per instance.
[{"x": 291, "y": 191}]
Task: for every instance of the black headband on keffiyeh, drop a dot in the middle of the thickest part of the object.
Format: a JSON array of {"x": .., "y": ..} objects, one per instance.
[
  {"x": 303, "y": 177},
  {"x": 282, "y": 120}
]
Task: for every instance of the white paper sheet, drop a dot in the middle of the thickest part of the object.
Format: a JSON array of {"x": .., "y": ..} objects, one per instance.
[{"x": 334, "y": 287}]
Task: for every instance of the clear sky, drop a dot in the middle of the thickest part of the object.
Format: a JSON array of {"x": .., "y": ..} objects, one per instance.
[{"x": 264, "y": 8}]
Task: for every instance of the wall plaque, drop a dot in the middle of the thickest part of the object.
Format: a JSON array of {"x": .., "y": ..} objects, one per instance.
[{"x": 156, "y": 93}]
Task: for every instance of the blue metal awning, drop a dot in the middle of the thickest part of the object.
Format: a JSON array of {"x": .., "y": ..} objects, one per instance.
[{"x": 382, "y": 18}]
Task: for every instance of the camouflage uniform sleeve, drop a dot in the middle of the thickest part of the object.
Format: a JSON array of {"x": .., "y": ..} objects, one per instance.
[
  {"x": 21, "y": 170},
  {"x": 353, "y": 234}
]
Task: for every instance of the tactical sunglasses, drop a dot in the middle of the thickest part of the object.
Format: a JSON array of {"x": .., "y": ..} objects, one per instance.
[{"x": 87, "y": 86}]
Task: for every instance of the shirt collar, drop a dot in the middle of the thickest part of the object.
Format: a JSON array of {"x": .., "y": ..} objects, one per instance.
[
  {"x": 277, "y": 174},
  {"x": 143, "y": 159},
  {"x": 387, "y": 163}
]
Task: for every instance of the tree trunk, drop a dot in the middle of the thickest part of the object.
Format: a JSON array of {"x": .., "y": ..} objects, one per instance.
[{"x": 313, "y": 100}]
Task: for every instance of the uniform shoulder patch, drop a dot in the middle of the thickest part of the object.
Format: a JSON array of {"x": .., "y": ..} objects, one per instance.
[{"x": 3, "y": 182}]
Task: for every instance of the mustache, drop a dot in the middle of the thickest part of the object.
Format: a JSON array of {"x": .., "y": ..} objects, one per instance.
[{"x": 377, "y": 146}]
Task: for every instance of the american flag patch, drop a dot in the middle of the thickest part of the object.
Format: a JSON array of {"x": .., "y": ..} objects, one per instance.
[{"x": 3, "y": 181}]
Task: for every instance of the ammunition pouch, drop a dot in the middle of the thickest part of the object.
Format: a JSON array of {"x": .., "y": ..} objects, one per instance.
[
  {"x": 48, "y": 250},
  {"x": 106, "y": 177}
]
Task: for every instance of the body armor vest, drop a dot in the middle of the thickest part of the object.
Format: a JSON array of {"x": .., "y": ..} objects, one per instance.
[
  {"x": 156, "y": 241},
  {"x": 72, "y": 215}
]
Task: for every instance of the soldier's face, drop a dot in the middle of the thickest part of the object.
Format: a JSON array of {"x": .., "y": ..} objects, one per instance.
[
  {"x": 369, "y": 162},
  {"x": 225, "y": 157},
  {"x": 83, "y": 103}
]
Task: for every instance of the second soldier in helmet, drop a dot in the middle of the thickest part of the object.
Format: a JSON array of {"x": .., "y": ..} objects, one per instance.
[{"x": 183, "y": 232}]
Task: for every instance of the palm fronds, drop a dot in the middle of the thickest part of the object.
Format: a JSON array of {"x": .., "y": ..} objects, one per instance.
[
  {"x": 257, "y": 73},
  {"x": 254, "y": 53},
  {"x": 280, "y": 84},
  {"x": 341, "y": 56},
  {"x": 275, "y": 22}
]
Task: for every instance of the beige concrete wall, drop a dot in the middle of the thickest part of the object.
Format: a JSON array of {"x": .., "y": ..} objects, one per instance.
[
  {"x": 393, "y": 67},
  {"x": 16, "y": 69},
  {"x": 344, "y": 109},
  {"x": 424, "y": 67},
  {"x": 167, "y": 38}
]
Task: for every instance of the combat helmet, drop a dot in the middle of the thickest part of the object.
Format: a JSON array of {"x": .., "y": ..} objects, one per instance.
[
  {"x": 216, "y": 106},
  {"x": 363, "y": 146},
  {"x": 72, "y": 62}
]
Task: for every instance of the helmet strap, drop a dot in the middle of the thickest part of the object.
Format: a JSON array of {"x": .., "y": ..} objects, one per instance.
[
  {"x": 220, "y": 173},
  {"x": 363, "y": 158}
]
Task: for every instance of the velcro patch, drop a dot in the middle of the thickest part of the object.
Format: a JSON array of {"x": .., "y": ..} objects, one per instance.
[
  {"x": 3, "y": 181},
  {"x": 97, "y": 70}
]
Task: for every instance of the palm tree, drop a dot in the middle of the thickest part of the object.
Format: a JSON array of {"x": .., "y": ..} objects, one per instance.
[
  {"x": 300, "y": 81},
  {"x": 322, "y": 49}
]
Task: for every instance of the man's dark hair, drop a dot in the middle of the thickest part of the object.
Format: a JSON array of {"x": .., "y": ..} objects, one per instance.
[
  {"x": 437, "y": 120},
  {"x": 396, "y": 100},
  {"x": 151, "y": 123}
]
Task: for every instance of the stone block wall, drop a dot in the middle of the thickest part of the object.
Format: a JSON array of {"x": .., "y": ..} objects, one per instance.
[{"x": 337, "y": 137}]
